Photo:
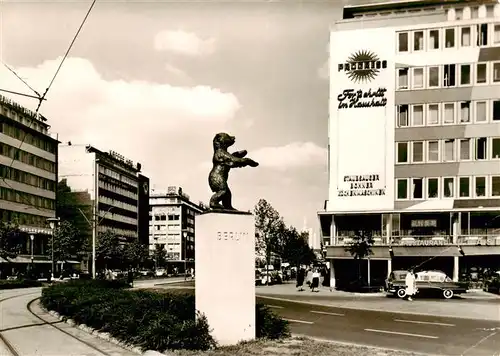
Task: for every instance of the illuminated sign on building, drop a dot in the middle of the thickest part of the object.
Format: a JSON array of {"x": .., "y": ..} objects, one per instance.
[{"x": 362, "y": 66}]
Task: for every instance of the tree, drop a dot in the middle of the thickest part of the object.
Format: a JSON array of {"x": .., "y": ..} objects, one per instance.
[
  {"x": 269, "y": 228},
  {"x": 68, "y": 242},
  {"x": 361, "y": 247},
  {"x": 135, "y": 254},
  {"x": 296, "y": 249},
  {"x": 10, "y": 240},
  {"x": 160, "y": 255},
  {"x": 108, "y": 250}
]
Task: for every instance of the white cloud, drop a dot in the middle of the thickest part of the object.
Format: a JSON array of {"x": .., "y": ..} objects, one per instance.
[
  {"x": 293, "y": 155},
  {"x": 144, "y": 121},
  {"x": 185, "y": 43},
  {"x": 324, "y": 70}
]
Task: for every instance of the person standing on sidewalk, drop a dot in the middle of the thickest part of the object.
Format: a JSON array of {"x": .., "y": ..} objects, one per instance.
[
  {"x": 301, "y": 274},
  {"x": 315, "y": 280},
  {"x": 411, "y": 285}
]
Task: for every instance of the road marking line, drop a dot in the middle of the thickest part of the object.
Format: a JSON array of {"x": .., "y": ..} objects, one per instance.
[
  {"x": 326, "y": 313},
  {"x": 299, "y": 321},
  {"x": 422, "y": 322},
  {"x": 400, "y": 333},
  {"x": 274, "y": 306}
]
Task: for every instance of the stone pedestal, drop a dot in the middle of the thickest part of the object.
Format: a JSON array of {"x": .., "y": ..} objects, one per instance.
[{"x": 225, "y": 274}]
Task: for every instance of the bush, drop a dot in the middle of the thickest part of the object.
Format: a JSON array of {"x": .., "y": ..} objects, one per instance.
[
  {"x": 269, "y": 325},
  {"x": 19, "y": 283},
  {"x": 150, "y": 320}
]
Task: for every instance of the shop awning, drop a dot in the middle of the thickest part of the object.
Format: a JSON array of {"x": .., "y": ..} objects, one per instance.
[
  {"x": 339, "y": 252},
  {"x": 481, "y": 250},
  {"x": 426, "y": 251}
]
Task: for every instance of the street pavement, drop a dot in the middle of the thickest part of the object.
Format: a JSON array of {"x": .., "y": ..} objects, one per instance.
[{"x": 23, "y": 333}]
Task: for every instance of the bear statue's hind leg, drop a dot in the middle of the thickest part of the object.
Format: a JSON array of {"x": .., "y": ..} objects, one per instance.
[
  {"x": 227, "y": 200},
  {"x": 215, "y": 199}
]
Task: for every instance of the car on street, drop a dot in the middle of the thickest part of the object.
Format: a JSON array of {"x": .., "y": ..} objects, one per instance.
[
  {"x": 160, "y": 272},
  {"x": 428, "y": 283}
]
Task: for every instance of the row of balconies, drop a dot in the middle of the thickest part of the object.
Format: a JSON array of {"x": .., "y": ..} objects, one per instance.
[{"x": 437, "y": 240}]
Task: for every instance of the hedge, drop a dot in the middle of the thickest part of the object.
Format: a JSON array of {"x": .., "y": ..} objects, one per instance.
[
  {"x": 149, "y": 320},
  {"x": 19, "y": 283}
]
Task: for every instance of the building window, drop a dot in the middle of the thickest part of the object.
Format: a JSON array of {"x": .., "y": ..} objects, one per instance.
[
  {"x": 402, "y": 152},
  {"x": 403, "y": 78},
  {"x": 480, "y": 187},
  {"x": 465, "y": 73},
  {"x": 433, "y": 151},
  {"x": 418, "y": 152},
  {"x": 464, "y": 187},
  {"x": 432, "y": 188},
  {"x": 449, "y": 37},
  {"x": 418, "y": 40},
  {"x": 465, "y": 111},
  {"x": 433, "y": 114},
  {"x": 465, "y": 36},
  {"x": 449, "y": 150},
  {"x": 495, "y": 186},
  {"x": 402, "y": 188},
  {"x": 403, "y": 115},
  {"x": 448, "y": 187},
  {"x": 449, "y": 75},
  {"x": 496, "y": 72},
  {"x": 481, "y": 148},
  {"x": 418, "y": 115},
  {"x": 417, "y": 188},
  {"x": 434, "y": 39},
  {"x": 496, "y": 110},
  {"x": 496, "y": 34},
  {"x": 481, "y": 73},
  {"x": 495, "y": 148},
  {"x": 403, "y": 42},
  {"x": 433, "y": 77},
  {"x": 418, "y": 78},
  {"x": 482, "y": 34},
  {"x": 465, "y": 149},
  {"x": 449, "y": 113},
  {"x": 481, "y": 111}
]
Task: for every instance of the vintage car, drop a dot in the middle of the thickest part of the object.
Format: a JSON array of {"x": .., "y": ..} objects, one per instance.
[{"x": 428, "y": 283}]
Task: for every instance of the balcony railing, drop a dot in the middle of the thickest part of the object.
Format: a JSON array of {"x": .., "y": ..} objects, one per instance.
[{"x": 437, "y": 240}]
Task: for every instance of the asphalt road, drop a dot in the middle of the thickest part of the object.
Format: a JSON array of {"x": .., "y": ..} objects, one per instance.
[{"x": 417, "y": 333}]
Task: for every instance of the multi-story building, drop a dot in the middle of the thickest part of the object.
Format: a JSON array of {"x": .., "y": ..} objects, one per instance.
[
  {"x": 171, "y": 224},
  {"x": 28, "y": 178},
  {"x": 414, "y": 135},
  {"x": 116, "y": 190}
]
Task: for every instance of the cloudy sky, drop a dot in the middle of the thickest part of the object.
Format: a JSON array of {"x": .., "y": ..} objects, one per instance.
[{"x": 156, "y": 80}]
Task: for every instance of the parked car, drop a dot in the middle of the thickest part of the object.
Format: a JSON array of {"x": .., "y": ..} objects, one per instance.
[
  {"x": 160, "y": 272},
  {"x": 428, "y": 283}
]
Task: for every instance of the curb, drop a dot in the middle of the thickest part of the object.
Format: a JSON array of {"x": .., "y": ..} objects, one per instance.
[{"x": 103, "y": 335}]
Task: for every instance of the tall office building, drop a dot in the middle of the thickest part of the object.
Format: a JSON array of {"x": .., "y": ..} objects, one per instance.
[
  {"x": 414, "y": 135},
  {"x": 28, "y": 177}
]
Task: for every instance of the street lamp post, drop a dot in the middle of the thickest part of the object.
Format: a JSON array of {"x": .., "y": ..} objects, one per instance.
[
  {"x": 32, "y": 237},
  {"x": 184, "y": 234},
  {"x": 53, "y": 222}
]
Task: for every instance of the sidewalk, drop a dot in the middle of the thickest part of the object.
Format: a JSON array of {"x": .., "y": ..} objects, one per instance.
[{"x": 477, "y": 305}]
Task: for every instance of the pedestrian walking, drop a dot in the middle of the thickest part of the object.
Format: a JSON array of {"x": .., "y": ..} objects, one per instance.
[
  {"x": 130, "y": 278},
  {"x": 301, "y": 274},
  {"x": 315, "y": 280},
  {"x": 411, "y": 285}
]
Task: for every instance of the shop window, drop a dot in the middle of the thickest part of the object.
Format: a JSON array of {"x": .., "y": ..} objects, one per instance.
[
  {"x": 465, "y": 111},
  {"x": 449, "y": 74},
  {"x": 495, "y": 148},
  {"x": 495, "y": 186},
  {"x": 449, "y": 113},
  {"x": 449, "y": 39},
  {"x": 403, "y": 42},
  {"x": 465, "y": 72},
  {"x": 448, "y": 187},
  {"x": 433, "y": 77},
  {"x": 433, "y": 188},
  {"x": 402, "y": 152},
  {"x": 465, "y": 36},
  {"x": 480, "y": 187},
  {"x": 434, "y": 39},
  {"x": 418, "y": 152},
  {"x": 481, "y": 111},
  {"x": 418, "y": 40},
  {"x": 402, "y": 188},
  {"x": 433, "y": 114},
  {"x": 465, "y": 149},
  {"x": 464, "y": 187},
  {"x": 433, "y": 151},
  {"x": 481, "y": 73},
  {"x": 418, "y": 115},
  {"x": 417, "y": 188},
  {"x": 449, "y": 150},
  {"x": 481, "y": 148}
]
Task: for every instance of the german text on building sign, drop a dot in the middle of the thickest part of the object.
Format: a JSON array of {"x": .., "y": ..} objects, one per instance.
[
  {"x": 361, "y": 185},
  {"x": 351, "y": 98}
]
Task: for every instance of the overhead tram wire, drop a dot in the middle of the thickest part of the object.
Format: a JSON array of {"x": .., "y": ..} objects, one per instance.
[{"x": 42, "y": 97}]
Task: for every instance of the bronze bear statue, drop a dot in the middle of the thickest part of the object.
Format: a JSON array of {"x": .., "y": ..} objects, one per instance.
[{"x": 223, "y": 161}]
